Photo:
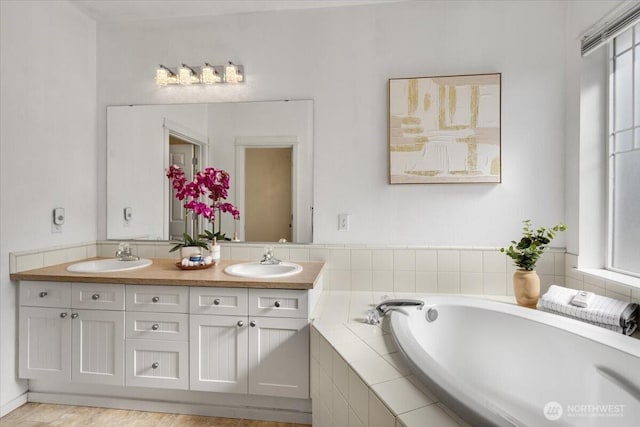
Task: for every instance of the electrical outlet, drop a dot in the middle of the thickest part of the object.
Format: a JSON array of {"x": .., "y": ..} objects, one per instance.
[
  {"x": 55, "y": 228},
  {"x": 343, "y": 222},
  {"x": 57, "y": 220}
]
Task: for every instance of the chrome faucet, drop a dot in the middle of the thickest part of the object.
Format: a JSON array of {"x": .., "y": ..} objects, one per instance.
[
  {"x": 124, "y": 253},
  {"x": 373, "y": 316},
  {"x": 268, "y": 258}
]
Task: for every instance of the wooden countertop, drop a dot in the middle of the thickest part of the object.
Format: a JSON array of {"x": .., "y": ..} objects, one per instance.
[{"x": 165, "y": 272}]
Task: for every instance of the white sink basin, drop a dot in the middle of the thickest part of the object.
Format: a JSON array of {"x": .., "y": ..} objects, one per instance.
[
  {"x": 255, "y": 270},
  {"x": 110, "y": 265}
]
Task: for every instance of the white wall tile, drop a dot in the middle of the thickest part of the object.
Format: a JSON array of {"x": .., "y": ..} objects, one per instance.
[
  {"x": 361, "y": 259},
  {"x": 426, "y": 260},
  {"x": 404, "y": 259},
  {"x": 79, "y": 252},
  {"x": 617, "y": 288},
  {"x": 573, "y": 283},
  {"x": 325, "y": 390},
  {"x": 426, "y": 281},
  {"x": 54, "y": 257},
  {"x": 240, "y": 253},
  {"x": 279, "y": 252},
  {"x": 559, "y": 260},
  {"x": 92, "y": 251},
  {"x": 340, "y": 409},
  {"x": 299, "y": 254},
  {"x": 382, "y": 259},
  {"x": 319, "y": 255},
  {"x": 379, "y": 415},
  {"x": 340, "y": 259},
  {"x": 546, "y": 264},
  {"x": 448, "y": 260},
  {"x": 29, "y": 262},
  {"x": 495, "y": 283},
  {"x": 448, "y": 282},
  {"x": 374, "y": 370},
  {"x": 494, "y": 262},
  {"x": 325, "y": 355},
  {"x": 382, "y": 280},
  {"x": 314, "y": 378},
  {"x": 354, "y": 421},
  {"x": 615, "y": 295},
  {"x": 340, "y": 375},
  {"x": 430, "y": 415},
  {"x": 358, "y": 396},
  {"x": 471, "y": 261},
  {"x": 361, "y": 280},
  {"x": 471, "y": 283},
  {"x": 400, "y": 396},
  {"x": 404, "y": 281},
  {"x": 339, "y": 280}
]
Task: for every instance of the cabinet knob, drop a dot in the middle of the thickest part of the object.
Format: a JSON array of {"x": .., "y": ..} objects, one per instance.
[
  {"x": 155, "y": 365},
  {"x": 95, "y": 297},
  {"x": 253, "y": 323},
  {"x": 277, "y": 304},
  {"x": 43, "y": 294},
  {"x": 240, "y": 323},
  {"x": 216, "y": 301},
  {"x": 155, "y": 326},
  {"x": 74, "y": 315},
  {"x": 155, "y": 299},
  {"x": 63, "y": 315}
]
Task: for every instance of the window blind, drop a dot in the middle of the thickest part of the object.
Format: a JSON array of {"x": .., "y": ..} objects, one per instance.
[{"x": 611, "y": 28}]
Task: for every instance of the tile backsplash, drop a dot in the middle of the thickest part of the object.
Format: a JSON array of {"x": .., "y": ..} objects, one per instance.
[{"x": 479, "y": 271}]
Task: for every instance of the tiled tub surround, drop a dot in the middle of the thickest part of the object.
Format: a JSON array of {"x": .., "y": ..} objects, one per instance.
[{"x": 358, "y": 377}]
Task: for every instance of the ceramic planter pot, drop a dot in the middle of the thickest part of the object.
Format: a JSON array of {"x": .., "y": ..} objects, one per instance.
[
  {"x": 188, "y": 251},
  {"x": 526, "y": 287}
]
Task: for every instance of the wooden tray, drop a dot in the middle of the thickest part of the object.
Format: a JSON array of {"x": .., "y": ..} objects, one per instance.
[{"x": 197, "y": 267}]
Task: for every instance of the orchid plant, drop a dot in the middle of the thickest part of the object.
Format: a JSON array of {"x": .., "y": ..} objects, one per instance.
[{"x": 211, "y": 184}]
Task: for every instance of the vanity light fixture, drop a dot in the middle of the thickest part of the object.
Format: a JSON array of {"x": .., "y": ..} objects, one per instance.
[{"x": 208, "y": 74}]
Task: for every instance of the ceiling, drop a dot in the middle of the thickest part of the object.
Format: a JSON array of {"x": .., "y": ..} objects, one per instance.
[{"x": 136, "y": 10}]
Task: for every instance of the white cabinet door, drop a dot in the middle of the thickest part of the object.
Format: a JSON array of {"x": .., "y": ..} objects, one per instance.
[
  {"x": 98, "y": 346},
  {"x": 158, "y": 364},
  {"x": 218, "y": 353},
  {"x": 279, "y": 357},
  {"x": 45, "y": 343}
]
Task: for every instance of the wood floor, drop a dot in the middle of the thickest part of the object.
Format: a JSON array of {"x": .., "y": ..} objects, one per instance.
[{"x": 43, "y": 414}]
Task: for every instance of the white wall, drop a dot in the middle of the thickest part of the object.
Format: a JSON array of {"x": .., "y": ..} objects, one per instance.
[
  {"x": 342, "y": 58},
  {"x": 47, "y": 143}
]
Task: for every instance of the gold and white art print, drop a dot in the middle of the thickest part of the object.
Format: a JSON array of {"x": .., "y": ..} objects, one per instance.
[{"x": 444, "y": 129}]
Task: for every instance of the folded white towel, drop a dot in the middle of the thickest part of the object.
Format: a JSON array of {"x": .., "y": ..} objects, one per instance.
[
  {"x": 582, "y": 299},
  {"x": 601, "y": 310},
  {"x": 628, "y": 329}
]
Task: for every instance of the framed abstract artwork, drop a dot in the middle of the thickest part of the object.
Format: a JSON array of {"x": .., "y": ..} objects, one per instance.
[{"x": 445, "y": 129}]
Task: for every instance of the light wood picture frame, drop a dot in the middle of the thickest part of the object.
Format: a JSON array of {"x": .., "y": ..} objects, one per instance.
[{"x": 445, "y": 129}]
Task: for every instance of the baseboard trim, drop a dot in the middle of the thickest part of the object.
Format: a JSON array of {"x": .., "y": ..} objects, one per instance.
[
  {"x": 14, "y": 404},
  {"x": 277, "y": 415}
]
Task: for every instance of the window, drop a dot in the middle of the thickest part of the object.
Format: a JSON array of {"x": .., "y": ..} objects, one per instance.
[{"x": 624, "y": 153}]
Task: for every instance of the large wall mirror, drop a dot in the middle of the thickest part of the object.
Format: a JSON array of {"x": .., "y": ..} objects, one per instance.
[{"x": 267, "y": 148}]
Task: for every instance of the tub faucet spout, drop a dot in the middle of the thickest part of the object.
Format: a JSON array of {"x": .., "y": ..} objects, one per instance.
[{"x": 389, "y": 304}]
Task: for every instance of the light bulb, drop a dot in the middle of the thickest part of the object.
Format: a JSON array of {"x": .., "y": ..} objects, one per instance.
[
  {"x": 185, "y": 75},
  {"x": 210, "y": 75},
  {"x": 231, "y": 73},
  {"x": 162, "y": 77}
]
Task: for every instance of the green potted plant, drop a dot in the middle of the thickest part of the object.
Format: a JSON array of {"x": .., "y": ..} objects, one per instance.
[{"x": 525, "y": 255}]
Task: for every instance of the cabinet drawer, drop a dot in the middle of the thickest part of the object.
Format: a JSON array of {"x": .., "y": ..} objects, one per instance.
[
  {"x": 166, "y": 299},
  {"x": 157, "y": 326},
  {"x": 227, "y": 301},
  {"x": 158, "y": 364},
  {"x": 45, "y": 294},
  {"x": 278, "y": 303},
  {"x": 97, "y": 296}
]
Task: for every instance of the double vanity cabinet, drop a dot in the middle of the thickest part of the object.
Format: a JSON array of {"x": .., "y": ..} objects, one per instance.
[{"x": 247, "y": 340}]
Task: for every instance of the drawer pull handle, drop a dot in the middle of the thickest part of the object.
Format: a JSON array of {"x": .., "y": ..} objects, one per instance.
[
  {"x": 216, "y": 301},
  {"x": 63, "y": 315},
  {"x": 155, "y": 299},
  {"x": 95, "y": 297},
  {"x": 155, "y": 365},
  {"x": 253, "y": 323},
  {"x": 277, "y": 304},
  {"x": 155, "y": 326},
  {"x": 43, "y": 294},
  {"x": 240, "y": 323},
  {"x": 74, "y": 315}
]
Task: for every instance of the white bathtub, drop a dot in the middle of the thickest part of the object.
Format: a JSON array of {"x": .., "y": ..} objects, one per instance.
[{"x": 499, "y": 364}]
